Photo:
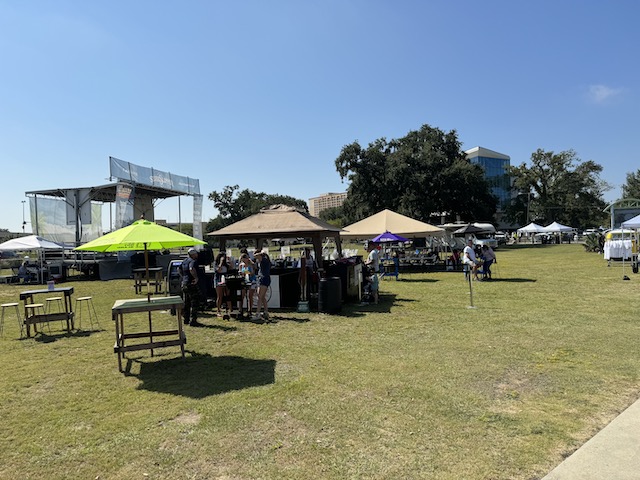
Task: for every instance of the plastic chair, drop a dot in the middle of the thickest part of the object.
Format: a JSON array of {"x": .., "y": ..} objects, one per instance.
[
  {"x": 391, "y": 270},
  {"x": 17, "y": 309},
  {"x": 91, "y": 311}
]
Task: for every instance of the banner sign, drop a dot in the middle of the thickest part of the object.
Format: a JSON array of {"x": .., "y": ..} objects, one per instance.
[
  {"x": 124, "y": 205},
  {"x": 154, "y": 178},
  {"x": 197, "y": 216}
]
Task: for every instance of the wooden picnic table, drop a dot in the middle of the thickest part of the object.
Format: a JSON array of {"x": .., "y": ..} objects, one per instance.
[
  {"x": 155, "y": 278},
  {"x": 123, "y": 307},
  {"x": 33, "y": 318}
]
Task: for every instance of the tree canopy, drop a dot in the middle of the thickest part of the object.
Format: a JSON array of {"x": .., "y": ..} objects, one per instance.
[
  {"x": 631, "y": 188},
  {"x": 419, "y": 175},
  {"x": 560, "y": 187},
  {"x": 234, "y": 204}
]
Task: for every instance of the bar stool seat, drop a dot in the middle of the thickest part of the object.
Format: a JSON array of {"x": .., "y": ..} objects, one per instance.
[
  {"x": 14, "y": 305},
  {"x": 91, "y": 311},
  {"x": 49, "y": 302},
  {"x": 32, "y": 309}
]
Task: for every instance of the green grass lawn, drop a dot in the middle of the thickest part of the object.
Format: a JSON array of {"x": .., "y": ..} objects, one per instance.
[{"x": 419, "y": 386}]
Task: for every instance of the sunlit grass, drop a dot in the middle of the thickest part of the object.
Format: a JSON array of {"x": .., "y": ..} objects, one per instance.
[{"x": 420, "y": 386}]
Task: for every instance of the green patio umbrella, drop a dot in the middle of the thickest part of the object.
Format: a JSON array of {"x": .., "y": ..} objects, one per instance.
[{"x": 141, "y": 235}]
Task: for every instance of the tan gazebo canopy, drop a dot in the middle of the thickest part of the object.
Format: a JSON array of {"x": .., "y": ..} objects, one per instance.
[
  {"x": 389, "y": 221},
  {"x": 280, "y": 221}
]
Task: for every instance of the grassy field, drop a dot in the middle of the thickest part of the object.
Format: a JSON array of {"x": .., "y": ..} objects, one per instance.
[{"x": 419, "y": 386}]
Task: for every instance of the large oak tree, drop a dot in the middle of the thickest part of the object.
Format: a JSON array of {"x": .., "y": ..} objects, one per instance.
[
  {"x": 560, "y": 187},
  {"x": 631, "y": 188},
  {"x": 421, "y": 175},
  {"x": 234, "y": 204}
]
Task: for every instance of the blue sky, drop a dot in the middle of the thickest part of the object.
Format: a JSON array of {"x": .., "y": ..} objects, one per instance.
[{"x": 265, "y": 94}]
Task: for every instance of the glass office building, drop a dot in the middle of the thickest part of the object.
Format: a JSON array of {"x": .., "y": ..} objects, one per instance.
[{"x": 495, "y": 166}]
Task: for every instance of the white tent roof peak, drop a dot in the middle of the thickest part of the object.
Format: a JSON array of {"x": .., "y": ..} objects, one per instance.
[
  {"x": 532, "y": 228},
  {"x": 30, "y": 242},
  {"x": 632, "y": 222},
  {"x": 557, "y": 227}
]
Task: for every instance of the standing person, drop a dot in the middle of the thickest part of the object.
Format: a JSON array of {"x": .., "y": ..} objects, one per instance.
[
  {"x": 264, "y": 281},
  {"x": 220, "y": 282},
  {"x": 190, "y": 288},
  {"x": 469, "y": 259},
  {"x": 489, "y": 257},
  {"x": 247, "y": 269},
  {"x": 307, "y": 267}
]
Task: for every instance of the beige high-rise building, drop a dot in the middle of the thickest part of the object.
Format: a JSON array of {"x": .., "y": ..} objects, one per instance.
[{"x": 324, "y": 201}]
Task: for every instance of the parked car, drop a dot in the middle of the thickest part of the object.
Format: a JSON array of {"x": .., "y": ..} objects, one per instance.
[
  {"x": 501, "y": 238},
  {"x": 485, "y": 239}
]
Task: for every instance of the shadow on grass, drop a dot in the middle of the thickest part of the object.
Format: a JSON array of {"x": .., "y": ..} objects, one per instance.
[
  {"x": 417, "y": 280},
  {"x": 385, "y": 303},
  {"x": 512, "y": 280},
  {"x": 202, "y": 375},
  {"x": 45, "y": 337}
]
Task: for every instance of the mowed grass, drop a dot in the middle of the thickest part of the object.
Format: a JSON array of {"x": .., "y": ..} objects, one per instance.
[{"x": 419, "y": 386}]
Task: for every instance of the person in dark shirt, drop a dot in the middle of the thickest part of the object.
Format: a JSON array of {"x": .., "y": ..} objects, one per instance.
[
  {"x": 190, "y": 288},
  {"x": 264, "y": 281}
]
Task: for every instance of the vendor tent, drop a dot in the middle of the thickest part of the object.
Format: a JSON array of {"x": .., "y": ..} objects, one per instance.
[
  {"x": 556, "y": 227},
  {"x": 389, "y": 237},
  {"x": 280, "y": 221},
  {"x": 532, "y": 228},
  {"x": 31, "y": 243},
  {"x": 632, "y": 222},
  {"x": 389, "y": 221}
]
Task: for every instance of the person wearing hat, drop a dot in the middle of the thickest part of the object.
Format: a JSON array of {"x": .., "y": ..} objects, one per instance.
[
  {"x": 264, "y": 281},
  {"x": 190, "y": 288},
  {"x": 23, "y": 270}
]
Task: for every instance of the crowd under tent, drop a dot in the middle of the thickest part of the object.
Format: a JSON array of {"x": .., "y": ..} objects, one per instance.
[
  {"x": 74, "y": 215},
  {"x": 278, "y": 221}
]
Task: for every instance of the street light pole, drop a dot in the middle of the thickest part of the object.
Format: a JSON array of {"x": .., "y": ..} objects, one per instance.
[
  {"x": 23, "y": 222},
  {"x": 528, "y": 203}
]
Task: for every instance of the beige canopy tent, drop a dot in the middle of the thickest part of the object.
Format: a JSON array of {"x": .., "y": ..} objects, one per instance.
[
  {"x": 280, "y": 221},
  {"x": 389, "y": 221}
]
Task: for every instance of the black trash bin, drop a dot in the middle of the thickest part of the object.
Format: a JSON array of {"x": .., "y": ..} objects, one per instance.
[{"x": 330, "y": 295}]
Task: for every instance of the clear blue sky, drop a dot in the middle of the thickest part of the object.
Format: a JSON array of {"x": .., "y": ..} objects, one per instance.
[{"x": 264, "y": 94}]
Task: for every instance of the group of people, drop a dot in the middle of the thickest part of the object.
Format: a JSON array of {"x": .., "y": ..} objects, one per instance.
[
  {"x": 257, "y": 278},
  {"x": 475, "y": 260}
]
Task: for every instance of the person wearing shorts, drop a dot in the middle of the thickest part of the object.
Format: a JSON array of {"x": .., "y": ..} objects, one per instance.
[
  {"x": 247, "y": 270},
  {"x": 264, "y": 281}
]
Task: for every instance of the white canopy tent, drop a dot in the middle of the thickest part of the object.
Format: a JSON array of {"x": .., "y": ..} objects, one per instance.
[
  {"x": 31, "y": 243},
  {"x": 556, "y": 227},
  {"x": 632, "y": 222},
  {"x": 532, "y": 228}
]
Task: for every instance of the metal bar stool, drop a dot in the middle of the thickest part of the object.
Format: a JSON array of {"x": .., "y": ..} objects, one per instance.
[
  {"x": 91, "y": 311},
  {"x": 50, "y": 301},
  {"x": 32, "y": 309},
  {"x": 20, "y": 322}
]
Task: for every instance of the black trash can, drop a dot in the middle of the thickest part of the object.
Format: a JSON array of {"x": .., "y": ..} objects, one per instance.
[{"x": 330, "y": 295}]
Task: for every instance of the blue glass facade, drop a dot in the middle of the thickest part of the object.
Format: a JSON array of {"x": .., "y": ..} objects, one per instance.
[{"x": 495, "y": 171}]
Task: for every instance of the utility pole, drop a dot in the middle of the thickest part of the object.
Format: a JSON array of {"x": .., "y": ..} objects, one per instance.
[{"x": 23, "y": 221}]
